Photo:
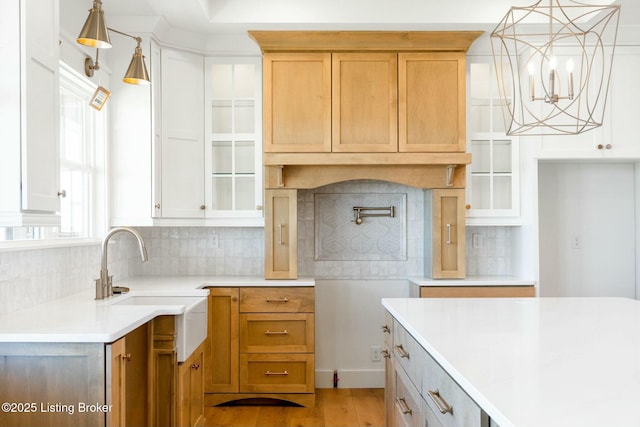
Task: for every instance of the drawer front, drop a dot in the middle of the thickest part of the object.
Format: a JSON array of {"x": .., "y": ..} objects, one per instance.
[
  {"x": 407, "y": 405},
  {"x": 409, "y": 354},
  {"x": 277, "y": 333},
  {"x": 277, "y": 373},
  {"x": 277, "y": 300},
  {"x": 450, "y": 404}
]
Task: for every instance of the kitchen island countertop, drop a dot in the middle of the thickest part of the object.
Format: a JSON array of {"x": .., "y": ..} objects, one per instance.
[{"x": 535, "y": 361}]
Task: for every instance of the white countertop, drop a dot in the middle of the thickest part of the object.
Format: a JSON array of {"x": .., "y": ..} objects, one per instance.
[
  {"x": 473, "y": 281},
  {"x": 80, "y": 318},
  {"x": 536, "y": 361}
]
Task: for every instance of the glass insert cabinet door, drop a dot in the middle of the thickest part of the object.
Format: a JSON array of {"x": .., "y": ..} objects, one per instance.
[
  {"x": 492, "y": 193},
  {"x": 233, "y": 138}
]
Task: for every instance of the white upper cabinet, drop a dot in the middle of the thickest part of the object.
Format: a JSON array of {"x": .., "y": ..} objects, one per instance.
[
  {"x": 233, "y": 140},
  {"x": 492, "y": 192},
  {"x": 617, "y": 137},
  {"x": 29, "y": 116},
  {"x": 187, "y": 150},
  {"x": 182, "y": 141}
]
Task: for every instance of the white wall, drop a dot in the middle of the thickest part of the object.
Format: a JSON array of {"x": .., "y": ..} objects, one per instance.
[
  {"x": 349, "y": 315},
  {"x": 587, "y": 229}
]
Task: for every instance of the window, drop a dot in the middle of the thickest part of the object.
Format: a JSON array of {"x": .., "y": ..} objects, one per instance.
[{"x": 82, "y": 145}]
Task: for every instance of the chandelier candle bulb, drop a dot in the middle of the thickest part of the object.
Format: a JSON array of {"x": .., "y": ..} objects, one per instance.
[
  {"x": 532, "y": 70},
  {"x": 570, "y": 66}
]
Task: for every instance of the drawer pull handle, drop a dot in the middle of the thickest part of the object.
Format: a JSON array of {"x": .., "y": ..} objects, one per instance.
[
  {"x": 404, "y": 408},
  {"x": 268, "y": 332},
  {"x": 442, "y": 404},
  {"x": 283, "y": 373},
  {"x": 281, "y": 241},
  {"x": 448, "y": 234},
  {"x": 278, "y": 300},
  {"x": 403, "y": 353},
  {"x": 386, "y": 354},
  {"x": 386, "y": 329}
]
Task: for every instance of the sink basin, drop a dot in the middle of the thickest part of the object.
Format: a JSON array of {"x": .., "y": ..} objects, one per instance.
[{"x": 191, "y": 323}]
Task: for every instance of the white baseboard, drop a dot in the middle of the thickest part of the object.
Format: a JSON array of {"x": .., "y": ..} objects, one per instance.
[{"x": 351, "y": 379}]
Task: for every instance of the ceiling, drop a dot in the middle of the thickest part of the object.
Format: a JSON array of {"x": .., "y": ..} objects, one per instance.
[{"x": 216, "y": 16}]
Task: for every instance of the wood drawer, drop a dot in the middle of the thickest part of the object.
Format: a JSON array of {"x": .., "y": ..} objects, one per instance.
[
  {"x": 277, "y": 333},
  {"x": 407, "y": 405},
  {"x": 277, "y": 373},
  {"x": 408, "y": 353},
  {"x": 441, "y": 392},
  {"x": 277, "y": 300}
]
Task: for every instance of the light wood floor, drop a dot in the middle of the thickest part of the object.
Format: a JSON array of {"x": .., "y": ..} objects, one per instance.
[{"x": 334, "y": 408}]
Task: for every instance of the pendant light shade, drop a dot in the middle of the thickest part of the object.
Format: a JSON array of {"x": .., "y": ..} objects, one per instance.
[
  {"x": 137, "y": 72},
  {"x": 94, "y": 32},
  {"x": 553, "y": 64}
]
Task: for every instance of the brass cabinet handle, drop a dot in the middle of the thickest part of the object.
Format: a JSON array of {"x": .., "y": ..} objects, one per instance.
[
  {"x": 277, "y": 300},
  {"x": 400, "y": 349},
  {"x": 281, "y": 240},
  {"x": 195, "y": 366},
  {"x": 268, "y": 332},
  {"x": 283, "y": 373},
  {"x": 448, "y": 234},
  {"x": 385, "y": 329},
  {"x": 127, "y": 357},
  {"x": 386, "y": 354},
  {"x": 442, "y": 404},
  {"x": 404, "y": 408}
]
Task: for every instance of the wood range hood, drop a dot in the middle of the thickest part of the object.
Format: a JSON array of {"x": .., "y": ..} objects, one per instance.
[{"x": 423, "y": 158}]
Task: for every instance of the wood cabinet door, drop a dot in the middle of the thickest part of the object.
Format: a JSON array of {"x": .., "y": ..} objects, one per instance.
[
  {"x": 297, "y": 102},
  {"x": 117, "y": 384},
  {"x": 431, "y": 89},
  {"x": 196, "y": 387},
  {"x": 448, "y": 233},
  {"x": 137, "y": 376},
  {"x": 221, "y": 349},
  {"x": 281, "y": 234},
  {"x": 364, "y": 102}
]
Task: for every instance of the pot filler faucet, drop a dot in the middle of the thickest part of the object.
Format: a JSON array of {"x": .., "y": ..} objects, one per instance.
[{"x": 104, "y": 285}]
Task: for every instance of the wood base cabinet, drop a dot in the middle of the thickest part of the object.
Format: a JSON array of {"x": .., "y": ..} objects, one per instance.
[
  {"x": 261, "y": 344},
  {"x": 191, "y": 389}
]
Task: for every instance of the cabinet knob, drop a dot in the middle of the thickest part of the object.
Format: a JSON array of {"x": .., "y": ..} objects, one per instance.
[
  {"x": 467, "y": 206},
  {"x": 157, "y": 205},
  {"x": 62, "y": 193},
  {"x": 127, "y": 357},
  {"x": 195, "y": 366},
  {"x": 259, "y": 207},
  {"x": 600, "y": 146},
  {"x": 202, "y": 207},
  {"x": 608, "y": 146}
]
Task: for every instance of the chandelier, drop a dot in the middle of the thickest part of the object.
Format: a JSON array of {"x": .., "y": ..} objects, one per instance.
[{"x": 553, "y": 64}]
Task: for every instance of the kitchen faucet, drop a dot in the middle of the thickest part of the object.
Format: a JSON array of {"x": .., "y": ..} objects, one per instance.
[{"x": 104, "y": 285}]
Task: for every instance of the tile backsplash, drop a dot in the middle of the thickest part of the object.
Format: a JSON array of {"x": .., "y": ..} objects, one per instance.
[{"x": 30, "y": 277}]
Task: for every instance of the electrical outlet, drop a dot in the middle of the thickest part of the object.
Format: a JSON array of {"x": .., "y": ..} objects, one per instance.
[
  {"x": 576, "y": 242},
  {"x": 375, "y": 353},
  {"x": 214, "y": 242},
  {"x": 476, "y": 240}
]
